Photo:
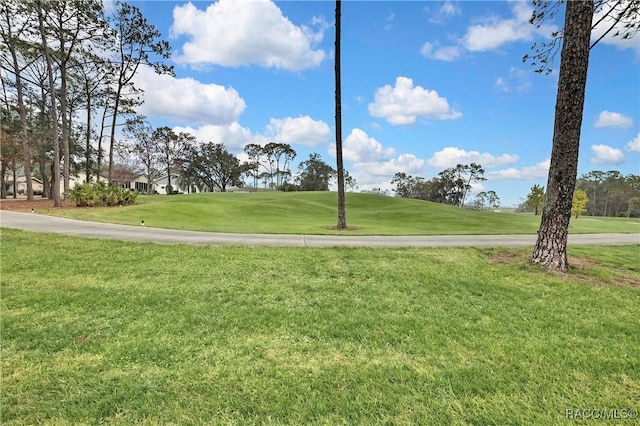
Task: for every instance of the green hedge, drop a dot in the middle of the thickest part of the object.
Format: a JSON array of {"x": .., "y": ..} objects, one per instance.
[{"x": 99, "y": 194}]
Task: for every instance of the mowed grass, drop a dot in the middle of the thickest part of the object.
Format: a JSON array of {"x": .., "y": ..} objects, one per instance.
[
  {"x": 316, "y": 213},
  {"x": 97, "y": 331}
]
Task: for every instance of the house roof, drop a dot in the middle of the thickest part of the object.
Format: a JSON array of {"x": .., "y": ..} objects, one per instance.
[{"x": 24, "y": 179}]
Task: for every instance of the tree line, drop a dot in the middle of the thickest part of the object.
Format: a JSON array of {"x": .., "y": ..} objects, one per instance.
[
  {"x": 607, "y": 194},
  {"x": 61, "y": 57},
  {"x": 212, "y": 167},
  {"x": 611, "y": 194},
  {"x": 451, "y": 186},
  {"x": 67, "y": 56}
]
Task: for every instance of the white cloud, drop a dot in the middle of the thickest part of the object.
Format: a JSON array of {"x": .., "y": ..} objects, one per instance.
[
  {"x": 446, "y": 11},
  {"x": 235, "y": 33},
  {"x": 300, "y": 130},
  {"x": 295, "y": 131},
  {"x": 605, "y": 24},
  {"x": 433, "y": 51},
  {"x": 374, "y": 171},
  {"x": 451, "y": 156},
  {"x": 537, "y": 171},
  {"x": 604, "y": 154},
  {"x": 634, "y": 145},
  {"x": 404, "y": 103},
  {"x": 187, "y": 100},
  {"x": 373, "y": 165},
  {"x": 502, "y": 84},
  {"x": 613, "y": 119},
  {"x": 517, "y": 80},
  {"x": 449, "y": 9},
  {"x": 493, "y": 32},
  {"x": 490, "y": 33},
  {"x": 232, "y": 135},
  {"x": 389, "y": 20},
  {"x": 360, "y": 147}
]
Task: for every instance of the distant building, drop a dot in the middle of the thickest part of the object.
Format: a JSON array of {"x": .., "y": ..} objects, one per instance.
[
  {"x": 123, "y": 178},
  {"x": 177, "y": 185},
  {"x": 21, "y": 184}
]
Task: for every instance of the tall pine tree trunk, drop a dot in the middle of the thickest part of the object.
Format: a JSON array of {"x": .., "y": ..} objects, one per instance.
[
  {"x": 66, "y": 120},
  {"x": 100, "y": 150},
  {"x": 26, "y": 149},
  {"x": 342, "y": 217},
  {"x": 55, "y": 183},
  {"x": 11, "y": 43},
  {"x": 112, "y": 139},
  {"x": 88, "y": 136},
  {"x": 551, "y": 246}
]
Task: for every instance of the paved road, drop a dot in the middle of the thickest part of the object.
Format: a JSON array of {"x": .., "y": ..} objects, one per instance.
[{"x": 43, "y": 223}]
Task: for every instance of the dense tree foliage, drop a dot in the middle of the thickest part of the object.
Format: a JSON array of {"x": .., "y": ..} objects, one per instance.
[
  {"x": 213, "y": 166},
  {"x": 12, "y": 33},
  {"x": 136, "y": 42},
  {"x": 270, "y": 163},
  {"x": 171, "y": 148},
  {"x": 314, "y": 174},
  {"x": 535, "y": 199},
  {"x": 579, "y": 202},
  {"x": 144, "y": 149},
  {"x": 451, "y": 186},
  {"x": 487, "y": 200},
  {"x": 610, "y": 193},
  {"x": 64, "y": 56},
  {"x": 407, "y": 186}
]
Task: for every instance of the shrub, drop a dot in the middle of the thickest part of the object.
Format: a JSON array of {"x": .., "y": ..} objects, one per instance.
[
  {"x": 99, "y": 194},
  {"x": 289, "y": 187}
]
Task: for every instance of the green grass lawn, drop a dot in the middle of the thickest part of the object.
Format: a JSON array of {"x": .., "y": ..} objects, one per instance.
[
  {"x": 316, "y": 213},
  {"x": 97, "y": 331}
]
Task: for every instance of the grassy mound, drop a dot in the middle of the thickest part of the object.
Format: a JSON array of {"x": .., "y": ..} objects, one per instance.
[{"x": 316, "y": 213}]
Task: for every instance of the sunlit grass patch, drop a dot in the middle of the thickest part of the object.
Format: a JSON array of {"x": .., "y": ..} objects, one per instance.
[{"x": 105, "y": 331}]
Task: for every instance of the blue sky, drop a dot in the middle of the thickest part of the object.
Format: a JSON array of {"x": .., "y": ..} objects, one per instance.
[{"x": 425, "y": 86}]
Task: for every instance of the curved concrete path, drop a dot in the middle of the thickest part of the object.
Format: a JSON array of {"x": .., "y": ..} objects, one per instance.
[{"x": 43, "y": 223}]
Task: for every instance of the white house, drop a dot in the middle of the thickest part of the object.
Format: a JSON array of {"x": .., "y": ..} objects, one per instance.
[
  {"x": 21, "y": 184},
  {"x": 126, "y": 180},
  {"x": 163, "y": 181}
]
